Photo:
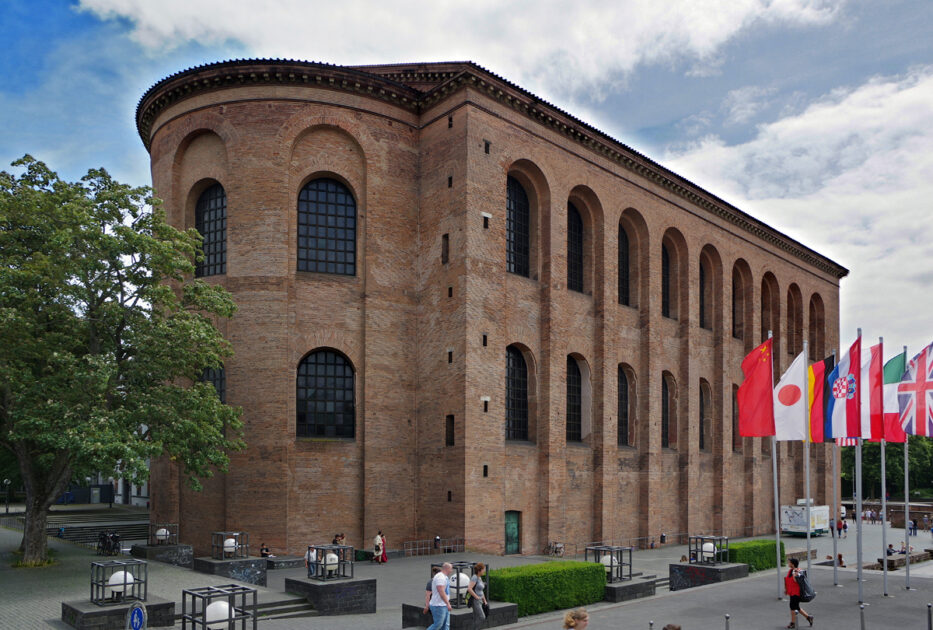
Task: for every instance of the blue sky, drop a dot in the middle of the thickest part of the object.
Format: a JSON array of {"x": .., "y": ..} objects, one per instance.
[{"x": 814, "y": 115}]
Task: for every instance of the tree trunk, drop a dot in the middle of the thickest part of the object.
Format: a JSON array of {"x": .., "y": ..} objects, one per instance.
[{"x": 35, "y": 543}]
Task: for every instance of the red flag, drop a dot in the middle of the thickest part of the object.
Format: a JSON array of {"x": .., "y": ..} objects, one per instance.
[
  {"x": 816, "y": 377},
  {"x": 756, "y": 394}
]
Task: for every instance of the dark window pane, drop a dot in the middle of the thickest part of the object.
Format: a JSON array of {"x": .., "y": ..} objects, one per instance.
[
  {"x": 323, "y": 205},
  {"x": 518, "y": 229},
  {"x": 665, "y": 414},
  {"x": 623, "y": 429},
  {"x": 624, "y": 269},
  {"x": 665, "y": 282},
  {"x": 210, "y": 220},
  {"x": 325, "y": 391},
  {"x": 516, "y": 395},
  {"x": 574, "y": 249},
  {"x": 574, "y": 401},
  {"x": 218, "y": 378}
]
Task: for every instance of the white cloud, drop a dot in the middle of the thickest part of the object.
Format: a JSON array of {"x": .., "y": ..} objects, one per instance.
[
  {"x": 849, "y": 176},
  {"x": 745, "y": 103},
  {"x": 559, "y": 47}
]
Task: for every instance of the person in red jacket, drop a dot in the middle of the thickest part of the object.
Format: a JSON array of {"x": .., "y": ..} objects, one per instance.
[{"x": 792, "y": 590}]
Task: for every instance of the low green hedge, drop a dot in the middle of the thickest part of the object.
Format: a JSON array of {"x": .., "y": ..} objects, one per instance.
[
  {"x": 757, "y": 554},
  {"x": 538, "y": 588}
]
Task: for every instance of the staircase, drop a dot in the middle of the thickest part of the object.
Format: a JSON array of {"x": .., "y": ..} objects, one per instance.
[
  {"x": 83, "y": 527},
  {"x": 292, "y": 608}
]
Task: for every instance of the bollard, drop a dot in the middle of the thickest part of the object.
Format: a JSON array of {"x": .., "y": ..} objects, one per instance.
[
  {"x": 929, "y": 616},
  {"x": 650, "y": 625},
  {"x": 727, "y": 622},
  {"x": 862, "y": 615}
]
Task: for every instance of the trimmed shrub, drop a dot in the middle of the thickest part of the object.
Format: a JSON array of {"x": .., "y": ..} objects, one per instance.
[
  {"x": 538, "y": 588},
  {"x": 757, "y": 554}
]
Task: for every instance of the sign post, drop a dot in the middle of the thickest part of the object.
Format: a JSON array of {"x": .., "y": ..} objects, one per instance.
[{"x": 136, "y": 618}]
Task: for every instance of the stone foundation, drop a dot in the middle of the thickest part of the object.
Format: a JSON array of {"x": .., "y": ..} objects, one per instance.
[
  {"x": 249, "y": 570},
  {"x": 87, "y": 616},
  {"x": 336, "y": 597},
  {"x": 635, "y": 588},
  {"x": 179, "y": 555},
  {"x": 500, "y": 614},
  {"x": 684, "y": 575}
]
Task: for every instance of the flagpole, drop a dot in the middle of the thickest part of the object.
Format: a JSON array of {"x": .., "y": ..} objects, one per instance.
[
  {"x": 806, "y": 465},
  {"x": 777, "y": 509},
  {"x": 858, "y": 491},
  {"x": 835, "y": 496},
  {"x": 907, "y": 501},
  {"x": 884, "y": 487}
]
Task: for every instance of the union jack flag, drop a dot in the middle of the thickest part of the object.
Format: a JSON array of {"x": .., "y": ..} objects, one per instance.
[
  {"x": 847, "y": 441},
  {"x": 915, "y": 394}
]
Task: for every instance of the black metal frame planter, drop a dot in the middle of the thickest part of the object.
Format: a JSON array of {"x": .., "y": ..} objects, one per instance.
[
  {"x": 163, "y": 533},
  {"x": 229, "y": 545},
  {"x": 709, "y": 549},
  {"x": 225, "y": 607},
  {"x": 458, "y": 591},
  {"x": 333, "y": 562},
  {"x": 119, "y": 582},
  {"x": 616, "y": 559}
]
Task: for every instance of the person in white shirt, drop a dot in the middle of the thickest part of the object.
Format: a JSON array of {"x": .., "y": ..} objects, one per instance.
[
  {"x": 377, "y": 547},
  {"x": 311, "y": 560},
  {"x": 440, "y": 599}
]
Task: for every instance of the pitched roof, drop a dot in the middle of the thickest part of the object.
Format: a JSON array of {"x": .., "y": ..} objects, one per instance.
[{"x": 418, "y": 86}]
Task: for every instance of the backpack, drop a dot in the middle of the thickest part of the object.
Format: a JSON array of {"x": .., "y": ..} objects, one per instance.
[{"x": 807, "y": 593}]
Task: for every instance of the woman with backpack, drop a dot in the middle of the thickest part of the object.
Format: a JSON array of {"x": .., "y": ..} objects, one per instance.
[{"x": 792, "y": 590}]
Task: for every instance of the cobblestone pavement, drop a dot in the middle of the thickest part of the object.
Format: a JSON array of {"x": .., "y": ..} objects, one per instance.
[{"x": 32, "y": 598}]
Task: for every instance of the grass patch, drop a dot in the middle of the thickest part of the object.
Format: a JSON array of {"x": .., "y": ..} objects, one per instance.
[{"x": 50, "y": 560}]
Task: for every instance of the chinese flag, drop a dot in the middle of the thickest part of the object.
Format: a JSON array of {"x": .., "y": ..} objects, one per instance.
[{"x": 756, "y": 394}]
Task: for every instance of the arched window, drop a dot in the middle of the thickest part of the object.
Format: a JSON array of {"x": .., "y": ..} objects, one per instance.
[
  {"x": 736, "y": 438},
  {"x": 815, "y": 330},
  {"x": 624, "y": 268},
  {"x": 705, "y": 294},
  {"x": 210, "y": 220},
  {"x": 706, "y": 405},
  {"x": 574, "y": 401},
  {"x": 218, "y": 378},
  {"x": 738, "y": 304},
  {"x": 326, "y": 396},
  {"x": 665, "y": 281},
  {"x": 771, "y": 314},
  {"x": 626, "y": 432},
  {"x": 326, "y": 228},
  {"x": 794, "y": 320},
  {"x": 668, "y": 413},
  {"x": 518, "y": 229},
  {"x": 574, "y": 249},
  {"x": 516, "y": 395}
]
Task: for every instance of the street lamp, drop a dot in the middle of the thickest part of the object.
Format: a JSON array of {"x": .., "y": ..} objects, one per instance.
[{"x": 6, "y": 488}]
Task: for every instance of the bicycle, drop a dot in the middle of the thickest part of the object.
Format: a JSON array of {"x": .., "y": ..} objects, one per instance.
[{"x": 555, "y": 549}]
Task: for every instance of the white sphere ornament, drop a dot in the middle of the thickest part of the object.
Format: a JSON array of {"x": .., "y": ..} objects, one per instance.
[
  {"x": 708, "y": 551},
  {"x": 609, "y": 562},
  {"x": 229, "y": 545},
  {"x": 120, "y": 580},
  {"x": 217, "y": 611},
  {"x": 459, "y": 583},
  {"x": 331, "y": 562},
  {"x": 162, "y": 534}
]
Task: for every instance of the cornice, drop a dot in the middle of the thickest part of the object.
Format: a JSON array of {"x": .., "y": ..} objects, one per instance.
[{"x": 389, "y": 83}]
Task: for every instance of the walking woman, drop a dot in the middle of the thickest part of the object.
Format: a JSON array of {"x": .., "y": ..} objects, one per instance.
[
  {"x": 792, "y": 590},
  {"x": 477, "y": 591}
]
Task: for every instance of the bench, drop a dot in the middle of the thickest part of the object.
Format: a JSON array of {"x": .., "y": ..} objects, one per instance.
[
  {"x": 899, "y": 560},
  {"x": 800, "y": 554}
]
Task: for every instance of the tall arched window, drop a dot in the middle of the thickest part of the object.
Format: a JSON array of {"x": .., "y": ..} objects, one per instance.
[
  {"x": 326, "y": 228},
  {"x": 325, "y": 396},
  {"x": 668, "y": 413},
  {"x": 574, "y": 249},
  {"x": 626, "y": 433},
  {"x": 665, "y": 281},
  {"x": 706, "y": 405},
  {"x": 738, "y": 305},
  {"x": 210, "y": 220},
  {"x": 705, "y": 294},
  {"x": 574, "y": 401},
  {"x": 624, "y": 268},
  {"x": 218, "y": 378},
  {"x": 518, "y": 229},
  {"x": 815, "y": 328},
  {"x": 736, "y": 438},
  {"x": 794, "y": 320},
  {"x": 516, "y": 395}
]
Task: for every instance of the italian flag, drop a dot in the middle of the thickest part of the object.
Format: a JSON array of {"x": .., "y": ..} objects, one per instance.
[{"x": 893, "y": 373}]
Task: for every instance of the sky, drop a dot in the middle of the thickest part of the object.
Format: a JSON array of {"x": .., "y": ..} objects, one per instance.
[{"x": 815, "y": 116}]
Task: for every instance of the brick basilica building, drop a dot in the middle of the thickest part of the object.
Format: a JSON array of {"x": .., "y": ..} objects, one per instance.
[{"x": 463, "y": 312}]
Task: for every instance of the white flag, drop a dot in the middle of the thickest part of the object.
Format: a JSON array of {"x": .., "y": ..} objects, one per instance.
[{"x": 790, "y": 402}]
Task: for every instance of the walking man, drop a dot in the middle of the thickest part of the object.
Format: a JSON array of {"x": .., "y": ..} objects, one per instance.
[
  {"x": 792, "y": 590},
  {"x": 440, "y": 599}
]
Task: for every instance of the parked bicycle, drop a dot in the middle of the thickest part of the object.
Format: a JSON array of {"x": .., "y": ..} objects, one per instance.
[
  {"x": 555, "y": 549},
  {"x": 108, "y": 544}
]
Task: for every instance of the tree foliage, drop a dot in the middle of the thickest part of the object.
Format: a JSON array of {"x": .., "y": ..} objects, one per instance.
[
  {"x": 105, "y": 338},
  {"x": 920, "y": 451}
]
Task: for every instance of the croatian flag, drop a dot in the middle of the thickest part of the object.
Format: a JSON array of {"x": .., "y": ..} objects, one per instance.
[{"x": 843, "y": 408}]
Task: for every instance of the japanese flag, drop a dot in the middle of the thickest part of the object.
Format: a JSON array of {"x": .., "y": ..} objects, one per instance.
[{"x": 790, "y": 402}]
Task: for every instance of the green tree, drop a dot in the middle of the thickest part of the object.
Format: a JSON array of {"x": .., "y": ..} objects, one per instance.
[
  {"x": 921, "y": 466},
  {"x": 105, "y": 338}
]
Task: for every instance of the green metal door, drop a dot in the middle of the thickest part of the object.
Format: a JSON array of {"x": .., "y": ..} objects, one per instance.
[{"x": 513, "y": 532}]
